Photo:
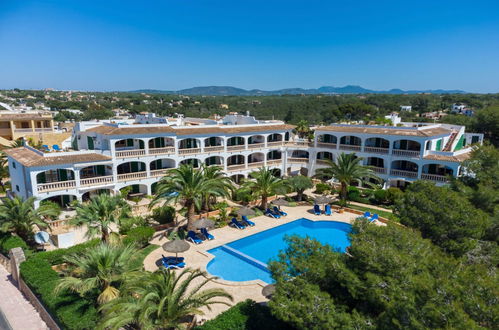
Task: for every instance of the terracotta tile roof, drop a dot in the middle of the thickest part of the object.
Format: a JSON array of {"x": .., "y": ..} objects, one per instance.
[
  {"x": 25, "y": 116},
  {"x": 456, "y": 159},
  {"x": 109, "y": 130},
  {"x": 386, "y": 130},
  {"x": 30, "y": 158}
]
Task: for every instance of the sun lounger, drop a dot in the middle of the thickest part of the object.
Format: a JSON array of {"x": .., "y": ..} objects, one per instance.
[
  {"x": 46, "y": 147},
  {"x": 317, "y": 210},
  {"x": 171, "y": 259},
  {"x": 172, "y": 264},
  {"x": 56, "y": 147},
  {"x": 272, "y": 214},
  {"x": 206, "y": 234},
  {"x": 191, "y": 236},
  {"x": 373, "y": 218},
  {"x": 247, "y": 221},
  {"x": 280, "y": 212},
  {"x": 327, "y": 209},
  {"x": 237, "y": 224},
  {"x": 367, "y": 214}
]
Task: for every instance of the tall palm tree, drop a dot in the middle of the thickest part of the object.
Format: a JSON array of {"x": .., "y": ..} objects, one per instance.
[
  {"x": 19, "y": 216},
  {"x": 189, "y": 185},
  {"x": 302, "y": 128},
  {"x": 102, "y": 269},
  {"x": 347, "y": 170},
  {"x": 216, "y": 173},
  {"x": 264, "y": 184},
  {"x": 100, "y": 214},
  {"x": 164, "y": 303}
]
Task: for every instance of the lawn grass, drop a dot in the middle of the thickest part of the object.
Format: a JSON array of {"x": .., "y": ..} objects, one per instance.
[{"x": 138, "y": 259}]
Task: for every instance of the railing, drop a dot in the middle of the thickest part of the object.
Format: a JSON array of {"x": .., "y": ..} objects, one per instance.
[
  {"x": 298, "y": 160},
  {"x": 45, "y": 129},
  {"x": 274, "y": 144},
  {"x": 349, "y": 147},
  {"x": 274, "y": 162},
  {"x": 405, "y": 153},
  {"x": 407, "y": 174},
  {"x": 189, "y": 151},
  {"x": 326, "y": 145},
  {"x": 299, "y": 144},
  {"x": 236, "y": 167},
  {"x": 323, "y": 161},
  {"x": 98, "y": 180},
  {"x": 379, "y": 170},
  {"x": 130, "y": 153},
  {"x": 132, "y": 176},
  {"x": 160, "y": 172},
  {"x": 256, "y": 145},
  {"x": 434, "y": 177},
  {"x": 60, "y": 185},
  {"x": 376, "y": 150},
  {"x": 213, "y": 149},
  {"x": 256, "y": 164},
  {"x": 58, "y": 223},
  {"x": 23, "y": 130},
  {"x": 162, "y": 151},
  {"x": 237, "y": 147}
]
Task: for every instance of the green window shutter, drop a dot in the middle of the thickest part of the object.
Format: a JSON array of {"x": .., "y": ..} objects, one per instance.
[
  {"x": 65, "y": 200},
  {"x": 129, "y": 142},
  {"x": 141, "y": 144},
  {"x": 134, "y": 167},
  {"x": 41, "y": 178},
  {"x": 460, "y": 143},
  {"x": 74, "y": 144},
  {"x": 90, "y": 142},
  {"x": 135, "y": 189},
  {"x": 439, "y": 145},
  {"x": 63, "y": 175},
  {"x": 100, "y": 170}
]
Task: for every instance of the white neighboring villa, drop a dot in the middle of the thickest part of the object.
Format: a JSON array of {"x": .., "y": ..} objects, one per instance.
[{"x": 136, "y": 153}]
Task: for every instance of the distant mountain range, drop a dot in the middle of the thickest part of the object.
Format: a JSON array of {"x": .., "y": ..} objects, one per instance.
[{"x": 349, "y": 89}]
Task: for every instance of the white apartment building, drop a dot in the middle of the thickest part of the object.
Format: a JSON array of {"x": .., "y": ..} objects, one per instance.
[{"x": 110, "y": 156}]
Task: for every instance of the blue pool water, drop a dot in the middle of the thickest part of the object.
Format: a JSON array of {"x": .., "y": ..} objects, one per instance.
[{"x": 246, "y": 258}]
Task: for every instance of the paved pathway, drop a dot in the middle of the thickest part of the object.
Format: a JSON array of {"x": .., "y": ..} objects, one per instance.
[{"x": 19, "y": 312}]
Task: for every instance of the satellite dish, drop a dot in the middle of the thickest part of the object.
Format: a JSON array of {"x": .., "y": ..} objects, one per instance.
[{"x": 42, "y": 237}]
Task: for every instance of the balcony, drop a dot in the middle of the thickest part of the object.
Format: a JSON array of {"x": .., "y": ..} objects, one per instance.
[
  {"x": 299, "y": 144},
  {"x": 238, "y": 147},
  {"x": 158, "y": 173},
  {"x": 324, "y": 162},
  {"x": 350, "y": 147},
  {"x": 275, "y": 144},
  {"x": 298, "y": 160},
  {"x": 434, "y": 177},
  {"x": 213, "y": 149},
  {"x": 326, "y": 145},
  {"x": 189, "y": 151},
  {"x": 406, "y": 153},
  {"x": 132, "y": 176},
  {"x": 162, "y": 151},
  {"x": 97, "y": 181},
  {"x": 255, "y": 146},
  {"x": 379, "y": 170},
  {"x": 405, "y": 174},
  {"x": 130, "y": 153},
  {"x": 376, "y": 150},
  {"x": 256, "y": 165},
  {"x": 273, "y": 162},
  {"x": 54, "y": 186},
  {"x": 236, "y": 167}
]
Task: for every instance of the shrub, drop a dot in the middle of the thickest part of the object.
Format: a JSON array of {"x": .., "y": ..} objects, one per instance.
[
  {"x": 321, "y": 188},
  {"x": 139, "y": 236},
  {"x": 394, "y": 194},
  {"x": 8, "y": 242},
  {"x": 380, "y": 196},
  {"x": 245, "y": 315},
  {"x": 242, "y": 195},
  {"x": 163, "y": 214},
  {"x": 132, "y": 222}
]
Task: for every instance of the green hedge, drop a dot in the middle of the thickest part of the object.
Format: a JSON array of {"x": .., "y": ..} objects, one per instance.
[
  {"x": 245, "y": 315},
  {"x": 139, "y": 236},
  {"x": 8, "y": 241}
]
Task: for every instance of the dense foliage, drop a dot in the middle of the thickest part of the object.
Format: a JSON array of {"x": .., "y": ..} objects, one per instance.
[{"x": 390, "y": 278}]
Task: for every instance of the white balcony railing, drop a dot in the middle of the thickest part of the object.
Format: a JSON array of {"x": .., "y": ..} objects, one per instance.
[
  {"x": 434, "y": 177},
  {"x": 238, "y": 147},
  {"x": 299, "y": 144},
  {"x": 189, "y": 151},
  {"x": 162, "y": 151},
  {"x": 376, "y": 150},
  {"x": 256, "y": 164},
  {"x": 298, "y": 160},
  {"x": 274, "y": 162},
  {"x": 406, "y": 174},
  {"x": 323, "y": 162},
  {"x": 379, "y": 170},
  {"x": 132, "y": 176},
  {"x": 275, "y": 144},
  {"x": 349, "y": 147},
  {"x": 53, "y": 186},
  {"x": 236, "y": 167},
  {"x": 326, "y": 145},
  {"x": 130, "y": 153},
  {"x": 256, "y": 145},
  {"x": 213, "y": 149},
  {"x": 405, "y": 153},
  {"x": 158, "y": 173},
  {"x": 96, "y": 181}
]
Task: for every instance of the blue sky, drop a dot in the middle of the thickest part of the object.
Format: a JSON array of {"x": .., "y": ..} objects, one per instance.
[{"x": 175, "y": 44}]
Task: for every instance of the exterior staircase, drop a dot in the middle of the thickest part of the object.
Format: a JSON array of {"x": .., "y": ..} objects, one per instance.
[{"x": 448, "y": 145}]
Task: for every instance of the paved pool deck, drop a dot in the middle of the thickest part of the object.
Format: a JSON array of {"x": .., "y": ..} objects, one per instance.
[{"x": 197, "y": 257}]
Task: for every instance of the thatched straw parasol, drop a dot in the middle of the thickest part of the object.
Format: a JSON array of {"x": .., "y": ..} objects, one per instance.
[
  {"x": 176, "y": 246},
  {"x": 268, "y": 291},
  {"x": 245, "y": 211},
  {"x": 323, "y": 200},
  {"x": 204, "y": 223}
]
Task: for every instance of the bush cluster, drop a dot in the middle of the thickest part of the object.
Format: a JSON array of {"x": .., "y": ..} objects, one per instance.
[
  {"x": 245, "y": 315},
  {"x": 164, "y": 214},
  {"x": 139, "y": 236},
  {"x": 321, "y": 188},
  {"x": 8, "y": 242}
]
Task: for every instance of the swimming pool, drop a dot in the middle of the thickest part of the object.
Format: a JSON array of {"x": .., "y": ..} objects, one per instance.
[{"x": 246, "y": 259}]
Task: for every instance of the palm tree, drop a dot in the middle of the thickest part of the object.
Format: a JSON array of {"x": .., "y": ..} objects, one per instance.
[
  {"x": 190, "y": 186},
  {"x": 347, "y": 170},
  {"x": 299, "y": 184},
  {"x": 264, "y": 184},
  {"x": 165, "y": 302},
  {"x": 100, "y": 214},
  {"x": 102, "y": 268},
  {"x": 302, "y": 128},
  {"x": 19, "y": 216},
  {"x": 216, "y": 173}
]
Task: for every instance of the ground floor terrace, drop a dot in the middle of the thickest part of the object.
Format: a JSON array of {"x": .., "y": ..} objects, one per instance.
[{"x": 198, "y": 257}]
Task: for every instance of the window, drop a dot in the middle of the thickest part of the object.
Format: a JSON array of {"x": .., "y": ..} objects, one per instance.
[
  {"x": 17, "y": 187},
  {"x": 14, "y": 164}
]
